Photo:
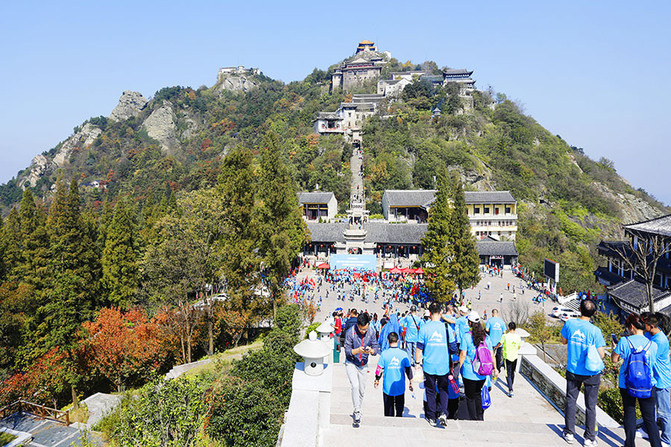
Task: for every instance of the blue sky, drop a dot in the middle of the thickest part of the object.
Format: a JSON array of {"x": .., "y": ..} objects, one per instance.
[{"x": 596, "y": 73}]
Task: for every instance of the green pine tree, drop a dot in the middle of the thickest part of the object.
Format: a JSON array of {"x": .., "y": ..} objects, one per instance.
[
  {"x": 120, "y": 270},
  {"x": 282, "y": 229},
  {"x": 464, "y": 268},
  {"x": 74, "y": 276},
  {"x": 438, "y": 254},
  {"x": 240, "y": 261}
]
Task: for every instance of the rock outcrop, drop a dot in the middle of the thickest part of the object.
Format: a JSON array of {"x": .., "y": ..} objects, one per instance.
[
  {"x": 236, "y": 82},
  {"x": 130, "y": 104},
  {"x": 85, "y": 137},
  {"x": 160, "y": 126},
  {"x": 38, "y": 167}
]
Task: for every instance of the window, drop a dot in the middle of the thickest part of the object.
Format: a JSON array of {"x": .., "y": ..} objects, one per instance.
[
  {"x": 486, "y": 210},
  {"x": 496, "y": 210},
  {"x": 476, "y": 210},
  {"x": 508, "y": 210}
]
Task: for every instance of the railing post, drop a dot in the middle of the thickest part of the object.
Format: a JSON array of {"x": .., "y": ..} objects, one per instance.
[{"x": 67, "y": 418}]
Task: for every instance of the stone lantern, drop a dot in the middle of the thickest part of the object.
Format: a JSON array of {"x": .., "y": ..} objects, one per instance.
[
  {"x": 313, "y": 352},
  {"x": 325, "y": 330}
]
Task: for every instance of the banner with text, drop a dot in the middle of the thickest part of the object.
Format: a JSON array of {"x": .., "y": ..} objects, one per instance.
[{"x": 354, "y": 262}]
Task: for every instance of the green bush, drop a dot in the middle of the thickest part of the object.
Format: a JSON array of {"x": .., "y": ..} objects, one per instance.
[
  {"x": 244, "y": 414},
  {"x": 288, "y": 319},
  {"x": 312, "y": 327},
  {"x": 164, "y": 413}
]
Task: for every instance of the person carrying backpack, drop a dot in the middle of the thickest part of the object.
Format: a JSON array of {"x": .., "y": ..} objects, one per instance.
[
  {"x": 661, "y": 372},
  {"x": 636, "y": 380},
  {"x": 581, "y": 337},
  {"x": 476, "y": 362}
]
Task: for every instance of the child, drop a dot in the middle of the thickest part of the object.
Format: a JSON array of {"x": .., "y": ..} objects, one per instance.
[{"x": 391, "y": 366}]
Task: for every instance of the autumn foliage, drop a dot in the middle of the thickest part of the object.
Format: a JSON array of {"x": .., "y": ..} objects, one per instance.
[{"x": 126, "y": 346}]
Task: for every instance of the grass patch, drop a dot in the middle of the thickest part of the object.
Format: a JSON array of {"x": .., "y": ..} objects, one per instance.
[
  {"x": 6, "y": 438},
  {"x": 222, "y": 361}
]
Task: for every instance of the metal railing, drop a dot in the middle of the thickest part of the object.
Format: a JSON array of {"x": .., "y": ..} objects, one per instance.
[{"x": 22, "y": 406}]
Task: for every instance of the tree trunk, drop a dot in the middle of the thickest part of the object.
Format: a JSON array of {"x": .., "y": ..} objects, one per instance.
[
  {"x": 188, "y": 342},
  {"x": 75, "y": 398},
  {"x": 210, "y": 333}
]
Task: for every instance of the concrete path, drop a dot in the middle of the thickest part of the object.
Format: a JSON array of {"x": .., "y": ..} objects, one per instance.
[
  {"x": 99, "y": 405},
  {"x": 45, "y": 432},
  {"x": 526, "y": 419},
  {"x": 356, "y": 161}
]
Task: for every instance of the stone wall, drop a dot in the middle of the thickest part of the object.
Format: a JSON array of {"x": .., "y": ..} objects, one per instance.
[{"x": 553, "y": 387}]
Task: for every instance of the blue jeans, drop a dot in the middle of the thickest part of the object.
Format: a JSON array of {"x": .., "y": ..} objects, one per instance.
[
  {"x": 410, "y": 347},
  {"x": 663, "y": 403}
]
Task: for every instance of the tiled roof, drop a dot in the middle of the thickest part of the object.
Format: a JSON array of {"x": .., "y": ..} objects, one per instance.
[
  {"x": 633, "y": 293},
  {"x": 328, "y": 115},
  {"x": 327, "y": 232},
  {"x": 424, "y": 197},
  {"x": 489, "y": 197},
  {"x": 389, "y": 233},
  {"x": 458, "y": 71},
  {"x": 409, "y": 197},
  {"x": 496, "y": 248},
  {"x": 660, "y": 225},
  {"x": 315, "y": 197}
]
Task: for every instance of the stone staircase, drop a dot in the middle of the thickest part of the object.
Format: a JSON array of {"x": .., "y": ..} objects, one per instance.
[{"x": 526, "y": 419}]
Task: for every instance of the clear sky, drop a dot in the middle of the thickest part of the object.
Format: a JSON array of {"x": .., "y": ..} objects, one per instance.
[{"x": 597, "y": 73}]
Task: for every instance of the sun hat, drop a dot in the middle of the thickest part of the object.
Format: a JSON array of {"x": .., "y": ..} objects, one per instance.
[{"x": 463, "y": 309}]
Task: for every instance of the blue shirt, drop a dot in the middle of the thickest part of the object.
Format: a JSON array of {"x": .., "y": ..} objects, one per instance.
[
  {"x": 433, "y": 340},
  {"x": 467, "y": 371},
  {"x": 580, "y": 335},
  {"x": 662, "y": 370},
  {"x": 461, "y": 328},
  {"x": 623, "y": 349},
  {"x": 495, "y": 327},
  {"x": 394, "y": 361},
  {"x": 411, "y": 324}
]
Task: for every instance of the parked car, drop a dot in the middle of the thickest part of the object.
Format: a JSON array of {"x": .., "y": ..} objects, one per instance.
[
  {"x": 568, "y": 315},
  {"x": 558, "y": 310}
]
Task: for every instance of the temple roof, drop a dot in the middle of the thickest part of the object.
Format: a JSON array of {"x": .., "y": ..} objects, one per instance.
[
  {"x": 659, "y": 225},
  {"x": 328, "y": 115},
  {"x": 489, "y": 247},
  {"x": 633, "y": 293},
  {"x": 458, "y": 71},
  {"x": 315, "y": 197},
  {"x": 424, "y": 197}
]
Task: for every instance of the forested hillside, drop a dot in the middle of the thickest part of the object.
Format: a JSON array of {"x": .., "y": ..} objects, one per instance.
[{"x": 151, "y": 159}]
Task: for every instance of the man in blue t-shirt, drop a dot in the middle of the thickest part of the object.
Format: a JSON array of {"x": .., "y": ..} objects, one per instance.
[
  {"x": 393, "y": 363},
  {"x": 412, "y": 323},
  {"x": 661, "y": 372},
  {"x": 432, "y": 353},
  {"x": 461, "y": 324},
  {"x": 495, "y": 328},
  {"x": 579, "y": 334}
]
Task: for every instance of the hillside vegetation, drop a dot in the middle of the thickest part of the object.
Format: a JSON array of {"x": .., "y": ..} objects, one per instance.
[{"x": 568, "y": 201}]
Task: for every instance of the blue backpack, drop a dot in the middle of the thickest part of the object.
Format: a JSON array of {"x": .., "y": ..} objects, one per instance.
[{"x": 638, "y": 373}]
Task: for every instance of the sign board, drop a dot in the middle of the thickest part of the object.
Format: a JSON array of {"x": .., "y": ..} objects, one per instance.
[
  {"x": 353, "y": 262},
  {"x": 551, "y": 270}
]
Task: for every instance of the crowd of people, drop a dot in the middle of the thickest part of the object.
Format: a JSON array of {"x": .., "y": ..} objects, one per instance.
[
  {"x": 453, "y": 350},
  {"x": 454, "y": 356}
]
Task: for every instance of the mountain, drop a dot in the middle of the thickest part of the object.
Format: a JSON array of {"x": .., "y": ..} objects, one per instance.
[{"x": 150, "y": 148}]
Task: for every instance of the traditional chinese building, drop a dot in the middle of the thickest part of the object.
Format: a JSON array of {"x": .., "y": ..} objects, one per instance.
[{"x": 318, "y": 205}]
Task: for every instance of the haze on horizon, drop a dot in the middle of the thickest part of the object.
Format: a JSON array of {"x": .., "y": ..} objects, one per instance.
[{"x": 594, "y": 73}]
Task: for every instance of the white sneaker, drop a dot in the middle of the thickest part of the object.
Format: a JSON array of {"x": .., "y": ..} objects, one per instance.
[
  {"x": 357, "y": 417},
  {"x": 568, "y": 437},
  {"x": 589, "y": 443}
]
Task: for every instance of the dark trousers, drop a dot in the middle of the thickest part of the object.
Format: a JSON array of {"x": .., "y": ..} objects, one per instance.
[
  {"x": 430, "y": 382},
  {"x": 452, "y": 408},
  {"x": 498, "y": 353},
  {"x": 647, "y": 411},
  {"x": 473, "y": 392},
  {"x": 573, "y": 384},
  {"x": 510, "y": 373},
  {"x": 392, "y": 403}
]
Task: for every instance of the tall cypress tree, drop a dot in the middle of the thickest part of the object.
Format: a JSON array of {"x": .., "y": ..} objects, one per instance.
[
  {"x": 240, "y": 262},
  {"x": 120, "y": 270},
  {"x": 438, "y": 254},
  {"x": 464, "y": 267},
  {"x": 282, "y": 229},
  {"x": 74, "y": 269}
]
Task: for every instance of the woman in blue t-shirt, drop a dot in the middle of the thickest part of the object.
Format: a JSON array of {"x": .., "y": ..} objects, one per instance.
[
  {"x": 473, "y": 382},
  {"x": 636, "y": 329}
]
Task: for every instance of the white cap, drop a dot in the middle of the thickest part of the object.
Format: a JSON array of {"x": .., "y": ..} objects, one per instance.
[
  {"x": 474, "y": 317},
  {"x": 463, "y": 309}
]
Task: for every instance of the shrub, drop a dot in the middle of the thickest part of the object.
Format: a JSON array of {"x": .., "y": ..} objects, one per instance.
[
  {"x": 242, "y": 413},
  {"x": 288, "y": 319}
]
